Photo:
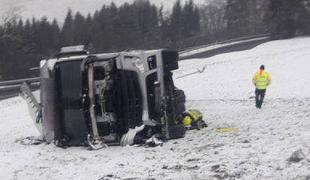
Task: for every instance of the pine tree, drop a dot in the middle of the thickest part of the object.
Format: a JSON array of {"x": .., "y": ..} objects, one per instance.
[
  {"x": 176, "y": 27},
  {"x": 163, "y": 25},
  {"x": 212, "y": 18},
  {"x": 287, "y": 17},
  {"x": 80, "y": 29},
  {"x": 20, "y": 28},
  {"x": 237, "y": 17},
  {"x": 67, "y": 30},
  {"x": 55, "y": 36},
  {"x": 129, "y": 27},
  {"x": 89, "y": 24},
  {"x": 45, "y": 40},
  {"x": 116, "y": 28},
  {"x": 257, "y": 11},
  {"x": 147, "y": 23},
  {"x": 188, "y": 16},
  {"x": 196, "y": 21}
]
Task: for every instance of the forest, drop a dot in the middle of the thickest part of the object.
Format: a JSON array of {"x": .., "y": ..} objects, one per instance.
[{"x": 142, "y": 25}]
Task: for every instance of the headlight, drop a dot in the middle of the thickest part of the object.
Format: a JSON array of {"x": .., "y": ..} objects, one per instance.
[{"x": 139, "y": 64}]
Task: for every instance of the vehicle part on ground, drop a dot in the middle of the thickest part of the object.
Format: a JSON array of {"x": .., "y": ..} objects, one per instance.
[
  {"x": 154, "y": 141},
  {"x": 121, "y": 98},
  {"x": 129, "y": 137},
  {"x": 34, "y": 107}
]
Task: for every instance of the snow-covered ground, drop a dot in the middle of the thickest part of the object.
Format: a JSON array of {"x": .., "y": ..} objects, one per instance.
[{"x": 257, "y": 144}]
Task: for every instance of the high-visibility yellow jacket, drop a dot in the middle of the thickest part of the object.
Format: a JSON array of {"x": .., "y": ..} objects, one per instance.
[{"x": 261, "y": 80}]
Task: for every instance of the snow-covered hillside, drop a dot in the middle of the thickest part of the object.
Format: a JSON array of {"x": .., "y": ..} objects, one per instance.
[
  {"x": 58, "y": 9},
  {"x": 229, "y": 76},
  {"x": 271, "y": 143}
]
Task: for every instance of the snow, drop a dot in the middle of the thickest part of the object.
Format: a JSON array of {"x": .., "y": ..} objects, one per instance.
[
  {"x": 257, "y": 144},
  {"x": 228, "y": 76}
]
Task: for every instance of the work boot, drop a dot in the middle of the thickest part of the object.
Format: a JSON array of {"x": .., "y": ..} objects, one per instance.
[
  {"x": 257, "y": 104},
  {"x": 260, "y": 104}
]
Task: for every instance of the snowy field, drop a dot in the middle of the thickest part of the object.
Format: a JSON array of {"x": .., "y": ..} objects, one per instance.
[{"x": 241, "y": 141}]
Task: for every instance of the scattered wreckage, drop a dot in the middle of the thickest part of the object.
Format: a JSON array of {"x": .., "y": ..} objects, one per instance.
[{"x": 97, "y": 100}]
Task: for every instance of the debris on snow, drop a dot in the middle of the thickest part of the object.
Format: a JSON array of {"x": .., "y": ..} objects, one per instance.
[
  {"x": 296, "y": 156},
  {"x": 30, "y": 140},
  {"x": 226, "y": 129}
]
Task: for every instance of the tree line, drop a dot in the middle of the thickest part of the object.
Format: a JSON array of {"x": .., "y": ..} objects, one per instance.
[{"x": 142, "y": 25}]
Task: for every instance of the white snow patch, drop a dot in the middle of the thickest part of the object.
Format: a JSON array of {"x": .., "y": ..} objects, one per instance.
[{"x": 229, "y": 76}]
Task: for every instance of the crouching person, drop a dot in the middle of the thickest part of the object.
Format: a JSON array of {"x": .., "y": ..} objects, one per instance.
[{"x": 192, "y": 119}]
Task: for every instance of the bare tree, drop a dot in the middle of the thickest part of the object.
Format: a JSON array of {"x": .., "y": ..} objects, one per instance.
[
  {"x": 212, "y": 16},
  {"x": 11, "y": 15}
]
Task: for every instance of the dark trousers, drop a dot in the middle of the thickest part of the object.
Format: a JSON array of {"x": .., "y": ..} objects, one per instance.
[{"x": 259, "y": 97}]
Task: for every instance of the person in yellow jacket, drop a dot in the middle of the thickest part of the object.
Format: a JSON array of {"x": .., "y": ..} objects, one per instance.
[{"x": 261, "y": 80}]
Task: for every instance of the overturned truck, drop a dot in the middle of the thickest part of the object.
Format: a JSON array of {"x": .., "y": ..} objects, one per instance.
[{"x": 107, "y": 99}]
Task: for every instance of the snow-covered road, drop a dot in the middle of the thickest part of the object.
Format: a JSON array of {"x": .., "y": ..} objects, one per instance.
[{"x": 241, "y": 141}]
